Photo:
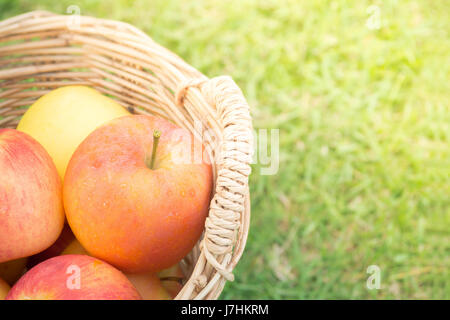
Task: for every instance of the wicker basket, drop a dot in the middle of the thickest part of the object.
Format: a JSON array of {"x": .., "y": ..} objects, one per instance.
[{"x": 40, "y": 51}]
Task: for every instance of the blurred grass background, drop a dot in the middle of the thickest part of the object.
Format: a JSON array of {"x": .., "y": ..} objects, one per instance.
[{"x": 364, "y": 120}]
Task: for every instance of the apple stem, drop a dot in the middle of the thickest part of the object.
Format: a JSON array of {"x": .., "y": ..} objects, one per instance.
[{"x": 156, "y": 136}]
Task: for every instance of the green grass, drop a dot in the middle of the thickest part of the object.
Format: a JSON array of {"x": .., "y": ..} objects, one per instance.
[{"x": 364, "y": 135}]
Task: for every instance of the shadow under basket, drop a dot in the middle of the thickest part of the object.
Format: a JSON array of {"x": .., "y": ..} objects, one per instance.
[{"x": 41, "y": 51}]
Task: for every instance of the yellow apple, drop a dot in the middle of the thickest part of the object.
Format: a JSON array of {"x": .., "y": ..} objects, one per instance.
[
  {"x": 149, "y": 286},
  {"x": 171, "y": 279},
  {"x": 4, "y": 289},
  {"x": 62, "y": 118},
  {"x": 12, "y": 270},
  {"x": 74, "y": 247}
]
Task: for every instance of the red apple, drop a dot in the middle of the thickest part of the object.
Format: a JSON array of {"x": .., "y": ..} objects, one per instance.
[
  {"x": 73, "y": 277},
  {"x": 31, "y": 211},
  {"x": 138, "y": 215}
]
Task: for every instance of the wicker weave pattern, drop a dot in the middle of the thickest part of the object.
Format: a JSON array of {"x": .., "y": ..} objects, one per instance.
[{"x": 43, "y": 51}]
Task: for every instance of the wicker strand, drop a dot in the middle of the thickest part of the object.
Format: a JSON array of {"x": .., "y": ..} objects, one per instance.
[{"x": 184, "y": 86}]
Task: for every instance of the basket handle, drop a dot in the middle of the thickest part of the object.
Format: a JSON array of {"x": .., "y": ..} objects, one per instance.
[{"x": 222, "y": 245}]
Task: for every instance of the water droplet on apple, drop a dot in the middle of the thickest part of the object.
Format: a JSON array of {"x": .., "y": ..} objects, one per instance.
[{"x": 97, "y": 164}]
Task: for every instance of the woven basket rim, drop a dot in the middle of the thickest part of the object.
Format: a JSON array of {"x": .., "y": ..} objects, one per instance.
[{"x": 120, "y": 60}]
